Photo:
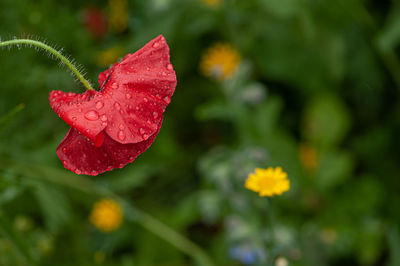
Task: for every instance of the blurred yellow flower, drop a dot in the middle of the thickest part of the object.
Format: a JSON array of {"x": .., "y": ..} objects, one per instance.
[
  {"x": 220, "y": 61},
  {"x": 118, "y": 16},
  {"x": 211, "y": 2},
  {"x": 308, "y": 157},
  {"x": 268, "y": 182},
  {"x": 108, "y": 57},
  {"x": 106, "y": 215}
]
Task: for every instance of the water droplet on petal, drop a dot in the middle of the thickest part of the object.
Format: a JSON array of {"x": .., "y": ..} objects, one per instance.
[
  {"x": 121, "y": 126},
  {"x": 115, "y": 85},
  {"x": 65, "y": 162},
  {"x": 145, "y": 136},
  {"x": 92, "y": 115},
  {"x": 64, "y": 150},
  {"x": 167, "y": 99},
  {"x": 128, "y": 96},
  {"x": 78, "y": 172},
  {"x": 137, "y": 108},
  {"x": 103, "y": 118},
  {"x": 117, "y": 106},
  {"x": 145, "y": 100},
  {"x": 155, "y": 115},
  {"x": 99, "y": 105},
  {"x": 156, "y": 44},
  {"x": 169, "y": 67},
  {"x": 74, "y": 118},
  {"x": 104, "y": 124},
  {"x": 121, "y": 135}
]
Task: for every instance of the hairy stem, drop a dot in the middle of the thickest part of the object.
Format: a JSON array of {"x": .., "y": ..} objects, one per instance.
[{"x": 52, "y": 51}]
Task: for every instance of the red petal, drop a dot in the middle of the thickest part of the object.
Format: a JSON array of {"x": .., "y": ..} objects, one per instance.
[
  {"x": 140, "y": 86},
  {"x": 79, "y": 154},
  {"x": 84, "y": 112},
  {"x": 135, "y": 94}
]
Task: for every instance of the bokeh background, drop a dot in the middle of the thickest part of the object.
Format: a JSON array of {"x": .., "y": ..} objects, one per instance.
[{"x": 308, "y": 85}]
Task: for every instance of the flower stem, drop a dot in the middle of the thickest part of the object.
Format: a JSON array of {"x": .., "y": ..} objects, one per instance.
[{"x": 52, "y": 51}]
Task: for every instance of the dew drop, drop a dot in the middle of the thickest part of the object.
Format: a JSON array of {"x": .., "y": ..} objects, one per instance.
[
  {"x": 117, "y": 106},
  {"x": 78, "y": 172},
  {"x": 104, "y": 124},
  {"x": 145, "y": 100},
  {"x": 121, "y": 135},
  {"x": 115, "y": 85},
  {"x": 79, "y": 142},
  {"x": 169, "y": 67},
  {"x": 65, "y": 162},
  {"x": 84, "y": 156},
  {"x": 167, "y": 99},
  {"x": 121, "y": 126},
  {"x": 141, "y": 131},
  {"x": 99, "y": 105},
  {"x": 103, "y": 118},
  {"x": 155, "y": 115},
  {"x": 145, "y": 136},
  {"x": 74, "y": 118},
  {"x": 156, "y": 44},
  {"x": 64, "y": 150},
  {"x": 92, "y": 115},
  {"x": 128, "y": 96},
  {"x": 137, "y": 108}
]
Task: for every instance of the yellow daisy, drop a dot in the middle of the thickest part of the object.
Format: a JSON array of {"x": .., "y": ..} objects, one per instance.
[
  {"x": 106, "y": 215},
  {"x": 268, "y": 182},
  {"x": 220, "y": 61}
]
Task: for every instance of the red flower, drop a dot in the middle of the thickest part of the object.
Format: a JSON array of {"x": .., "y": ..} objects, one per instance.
[
  {"x": 111, "y": 127},
  {"x": 95, "y": 22}
]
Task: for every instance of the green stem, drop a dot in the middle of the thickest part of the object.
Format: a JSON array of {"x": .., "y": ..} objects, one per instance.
[{"x": 52, "y": 51}]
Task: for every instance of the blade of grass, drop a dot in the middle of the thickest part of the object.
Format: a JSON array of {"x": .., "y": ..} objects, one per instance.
[{"x": 6, "y": 119}]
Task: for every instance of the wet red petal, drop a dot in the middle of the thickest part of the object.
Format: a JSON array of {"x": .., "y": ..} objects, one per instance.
[
  {"x": 80, "y": 111},
  {"x": 110, "y": 128},
  {"x": 131, "y": 105},
  {"x": 79, "y": 154},
  {"x": 141, "y": 86}
]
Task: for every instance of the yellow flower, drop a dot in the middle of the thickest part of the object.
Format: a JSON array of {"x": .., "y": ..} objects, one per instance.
[
  {"x": 220, "y": 61},
  {"x": 211, "y": 2},
  {"x": 118, "y": 17},
  {"x": 308, "y": 157},
  {"x": 108, "y": 57},
  {"x": 268, "y": 182},
  {"x": 106, "y": 215}
]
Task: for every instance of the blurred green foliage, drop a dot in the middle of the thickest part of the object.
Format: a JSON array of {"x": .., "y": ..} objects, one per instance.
[{"x": 317, "y": 93}]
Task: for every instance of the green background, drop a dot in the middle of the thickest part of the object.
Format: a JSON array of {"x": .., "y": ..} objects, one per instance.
[{"x": 315, "y": 72}]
